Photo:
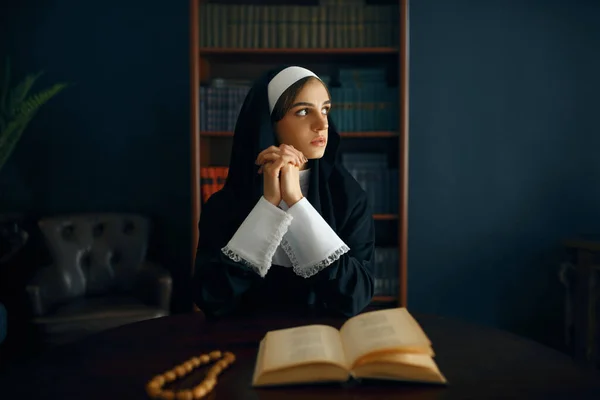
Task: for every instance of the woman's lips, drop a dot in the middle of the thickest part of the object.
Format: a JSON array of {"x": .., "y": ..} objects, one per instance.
[{"x": 320, "y": 141}]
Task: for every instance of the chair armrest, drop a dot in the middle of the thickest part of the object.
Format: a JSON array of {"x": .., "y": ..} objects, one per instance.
[
  {"x": 42, "y": 291},
  {"x": 154, "y": 284},
  {"x": 36, "y": 303}
]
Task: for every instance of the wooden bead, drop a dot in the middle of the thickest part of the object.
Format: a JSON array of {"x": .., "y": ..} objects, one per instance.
[
  {"x": 153, "y": 392},
  {"x": 159, "y": 379},
  {"x": 188, "y": 366},
  {"x": 180, "y": 371},
  {"x": 222, "y": 363},
  {"x": 167, "y": 395},
  {"x": 185, "y": 395},
  {"x": 210, "y": 383},
  {"x": 217, "y": 369},
  {"x": 199, "y": 392},
  {"x": 153, "y": 384},
  {"x": 211, "y": 375},
  {"x": 204, "y": 358},
  {"x": 214, "y": 355},
  {"x": 170, "y": 376},
  {"x": 196, "y": 361},
  {"x": 229, "y": 357}
]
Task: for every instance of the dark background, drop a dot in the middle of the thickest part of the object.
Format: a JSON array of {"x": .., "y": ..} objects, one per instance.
[{"x": 503, "y": 140}]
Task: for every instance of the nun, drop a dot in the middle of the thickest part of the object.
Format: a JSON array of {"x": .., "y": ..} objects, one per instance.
[{"x": 291, "y": 230}]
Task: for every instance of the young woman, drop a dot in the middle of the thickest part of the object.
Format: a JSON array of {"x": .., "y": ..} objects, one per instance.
[{"x": 291, "y": 229}]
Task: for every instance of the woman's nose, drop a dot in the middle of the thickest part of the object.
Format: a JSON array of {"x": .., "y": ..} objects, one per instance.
[{"x": 320, "y": 123}]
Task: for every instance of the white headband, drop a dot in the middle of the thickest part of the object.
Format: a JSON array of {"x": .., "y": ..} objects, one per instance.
[{"x": 284, "y": 80}]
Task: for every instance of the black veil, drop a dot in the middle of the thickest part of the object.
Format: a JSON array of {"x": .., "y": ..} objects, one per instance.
[{"x": 346, "y": 285}]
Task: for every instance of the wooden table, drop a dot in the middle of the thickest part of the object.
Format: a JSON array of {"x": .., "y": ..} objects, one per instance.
[{"x": 479, "y": 363}]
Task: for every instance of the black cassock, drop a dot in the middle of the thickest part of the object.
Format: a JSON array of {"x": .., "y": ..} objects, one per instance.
[{"x": 222, "y": 286}]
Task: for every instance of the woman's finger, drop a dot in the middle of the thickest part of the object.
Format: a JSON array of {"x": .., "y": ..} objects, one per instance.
[
  {"x": 269, "y": 157},
  {"x": 261, "y": 158},
  {"x": 269, "y": 149},
  {"x": 273, "y": 157},
  {"x": 290, "y": 158},
  {"x": 300, "y": 154},
  {"x": 296, "y": 151},
  {"x": 289, "y": 149},
  {"x": 275, "y": 166}
]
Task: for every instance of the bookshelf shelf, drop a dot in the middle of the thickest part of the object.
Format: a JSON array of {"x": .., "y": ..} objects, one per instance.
[
  {"x": 384, "y": 299},
  {"x": 385, "y": 217},
  {"x": 213, "y": 51},
  {"x": 216, "y": 133},
  {"x": 376, "y": 134},
  {"x": 366, "y": 135}
]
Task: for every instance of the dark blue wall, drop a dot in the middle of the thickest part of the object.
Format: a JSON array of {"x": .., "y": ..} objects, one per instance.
[
  {"x": 503, "y": 165},
  {"x": 118, "y": 140}
]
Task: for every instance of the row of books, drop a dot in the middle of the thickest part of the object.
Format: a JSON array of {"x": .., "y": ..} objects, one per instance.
[
  {"x": 386, "y": 271},
  {"x": 354, "y": 110},
  {"x": 295, "y": 26},
  {"x": 379, "y": 181},
  {"x": 370, "y": 106},
  {"x": 341, "y": 2},
  {"x": 363, "y": 101},
  {"x": 212, "y": 179},
  {"x": 220, "y": 107}
]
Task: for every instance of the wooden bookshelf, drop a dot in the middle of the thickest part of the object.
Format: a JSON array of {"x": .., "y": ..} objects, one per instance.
[{"x": 227, "y": 60}]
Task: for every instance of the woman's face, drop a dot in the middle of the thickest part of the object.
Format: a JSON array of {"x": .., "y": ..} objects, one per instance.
[{"x": 305, "y": 125}]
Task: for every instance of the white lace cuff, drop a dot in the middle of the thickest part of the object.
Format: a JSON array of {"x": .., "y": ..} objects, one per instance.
[
  {"x": 310, "y": 243},
  {"x": 257, "y": 238}
]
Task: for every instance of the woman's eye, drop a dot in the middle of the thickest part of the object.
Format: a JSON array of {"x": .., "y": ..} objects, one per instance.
[
  {"x": 325, "y": 110},
  {"x": 302, "y": 112}
]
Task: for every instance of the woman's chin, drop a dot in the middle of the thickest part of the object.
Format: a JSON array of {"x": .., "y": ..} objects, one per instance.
[{"x": 314, "y": 154}]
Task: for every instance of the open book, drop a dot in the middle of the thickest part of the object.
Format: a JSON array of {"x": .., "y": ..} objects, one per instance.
[{"x": 383, "y": 344}]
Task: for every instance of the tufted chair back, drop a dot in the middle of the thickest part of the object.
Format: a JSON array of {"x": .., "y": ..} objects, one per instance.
[{"x": 96, "y": 254}]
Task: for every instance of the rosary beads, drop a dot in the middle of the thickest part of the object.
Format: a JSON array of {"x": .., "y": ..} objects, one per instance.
[{"x": 154, "y": 388}]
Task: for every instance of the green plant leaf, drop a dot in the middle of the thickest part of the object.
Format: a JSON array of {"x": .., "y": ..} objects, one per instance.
[
  {"x": 4, "y": 89},
  {"x": 19, "y": 93},
  {"x": 9, "y": 140},
  {"x": 35, "y": 101},
  {"x": 26, "y": 110}
]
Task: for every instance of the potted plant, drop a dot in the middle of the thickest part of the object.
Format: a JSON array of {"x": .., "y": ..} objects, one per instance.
[{"x": 17, "y": 108}]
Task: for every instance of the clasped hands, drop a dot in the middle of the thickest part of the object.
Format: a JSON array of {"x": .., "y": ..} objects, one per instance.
[{"x": 280, "y": 167}]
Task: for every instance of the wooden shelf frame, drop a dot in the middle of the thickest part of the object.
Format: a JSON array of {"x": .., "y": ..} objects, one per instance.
[{"x": 198, "y": 67}]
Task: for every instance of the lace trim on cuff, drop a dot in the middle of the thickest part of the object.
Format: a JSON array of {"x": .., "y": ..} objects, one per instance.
[
  {"x": 307, "y": 272},
  {"x": 262, "y": 268}
]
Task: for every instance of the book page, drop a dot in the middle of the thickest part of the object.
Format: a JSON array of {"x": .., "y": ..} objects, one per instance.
[
  {"x": 404, "y": 367},
  {"x": 383, "y": 331},
  {"x": 303, "y": 345}
]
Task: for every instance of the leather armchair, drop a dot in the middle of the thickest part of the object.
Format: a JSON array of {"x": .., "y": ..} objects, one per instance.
[{"x": 99, "y": 277}]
